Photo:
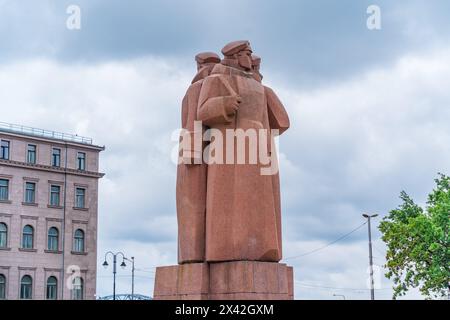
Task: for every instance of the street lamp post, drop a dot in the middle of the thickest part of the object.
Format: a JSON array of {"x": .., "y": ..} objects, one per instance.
[
  {"x": 132, "y": 276},
  {"x": 372, "y": 289},
  {"x": 123, "y": 265},
  {"x": 339, "y": 295}
]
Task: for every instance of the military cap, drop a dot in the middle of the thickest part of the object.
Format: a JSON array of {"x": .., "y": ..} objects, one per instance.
[
  {"x": 236, "y": 46},
  {"x": 207, "y": 57}
]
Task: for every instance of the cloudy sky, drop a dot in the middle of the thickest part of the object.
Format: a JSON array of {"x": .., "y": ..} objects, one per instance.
[{"x": 369, "y": 109}]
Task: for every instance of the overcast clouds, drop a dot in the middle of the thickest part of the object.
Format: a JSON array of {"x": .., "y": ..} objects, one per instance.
[{"x": 370, "y": 114}]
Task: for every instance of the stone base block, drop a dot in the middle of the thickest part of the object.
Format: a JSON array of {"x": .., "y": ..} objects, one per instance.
[{"x": 234, "y": 280}]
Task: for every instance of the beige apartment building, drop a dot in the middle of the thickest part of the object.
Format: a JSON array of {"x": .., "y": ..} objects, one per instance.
[{"x": 48, "y": 214}]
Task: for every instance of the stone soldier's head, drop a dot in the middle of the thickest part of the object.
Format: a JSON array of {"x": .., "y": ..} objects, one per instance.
[
  {"x": 205, "y": 63},
  {"x": 204, "y": 59},
  {"x": 256, "y": 64},
  {"x": 238, "y": 54}
]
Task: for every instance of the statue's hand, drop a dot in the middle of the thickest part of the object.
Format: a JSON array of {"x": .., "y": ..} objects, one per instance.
[{"x": 232, "y": 104}]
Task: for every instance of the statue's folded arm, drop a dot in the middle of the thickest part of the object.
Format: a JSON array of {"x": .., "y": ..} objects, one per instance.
[
  {"x": 213, "y": 111},
  {"x": 214, "y": 99}
]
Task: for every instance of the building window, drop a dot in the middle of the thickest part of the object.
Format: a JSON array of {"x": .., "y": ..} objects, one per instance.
[
  {"x": 27, "y": 237},
  {"x": 2, "y": 287},
  {"x": 77, "y": 290},
  {"x": 4, "y": 189},
  {"x": 55, "y": 192},
  {"x": 80, "y": 195},
  {"x": 53, "y": 236},
  {"x": 81, "y": 160},
  {"x": 56, "y": 157},
  {"x": 4, "y": 151},
  {"x": 31, "y": 154},
  {"x": 3, "y": 235},
  {"x": 26, "y": 288},
  {"x": 78, "y": 241},
  {"x": 30, "y": 192},
  {"x": 52, "y": 288}
]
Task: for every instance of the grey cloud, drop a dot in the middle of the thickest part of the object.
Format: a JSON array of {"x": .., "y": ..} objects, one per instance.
[
  {"x": 354, "y": 146},
  {"x": 302, "y": 42}
]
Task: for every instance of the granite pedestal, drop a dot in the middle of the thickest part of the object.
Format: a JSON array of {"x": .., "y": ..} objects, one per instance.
[{"x": 234, "y": 280}]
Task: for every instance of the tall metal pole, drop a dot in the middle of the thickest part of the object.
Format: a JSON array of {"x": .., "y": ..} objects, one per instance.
[
  {"x": 372, "y": 289},
  {"x": 132, "y": 278},
  {"x": 114, "y": 273}
]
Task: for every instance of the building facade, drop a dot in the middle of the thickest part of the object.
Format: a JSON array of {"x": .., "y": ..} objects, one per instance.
[{"x": 48, "y": 214}]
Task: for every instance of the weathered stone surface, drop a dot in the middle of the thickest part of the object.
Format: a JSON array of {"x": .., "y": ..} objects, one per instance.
[
  {"x": 229, "y": 210},
  {"x": 191, "y": 172},
  {"x": 290, "y": 277},
  {"x": 235, "y": 280},
  {"x": 166, "y": 280},
  {"x": 193, "y": 279}
]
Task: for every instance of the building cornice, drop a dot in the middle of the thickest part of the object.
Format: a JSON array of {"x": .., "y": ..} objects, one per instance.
[
  {"x": 6, "y": 215},
  {"x": 52, "y": 269},
  {"x": 54, "y": 141},
  {"x": 29, "y": 217},
  {"x": 24, "y": 165},
  {"x": 80, "y": 222},
  {"x": 27, "y": 268}
]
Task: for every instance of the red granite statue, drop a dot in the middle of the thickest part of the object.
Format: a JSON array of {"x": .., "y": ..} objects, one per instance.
[
  {"x": 241, "y": 213},
  {"x": 191, "y": 178},
  {"x": 228, "y": 203}
]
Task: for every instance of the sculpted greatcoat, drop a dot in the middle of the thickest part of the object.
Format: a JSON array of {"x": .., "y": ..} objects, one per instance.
[
  {"x": 191, "y": 182},
  {"x": 243, "y": 219}
]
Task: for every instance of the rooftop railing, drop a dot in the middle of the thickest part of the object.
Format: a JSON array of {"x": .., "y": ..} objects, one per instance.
[{"x": 15, "y": 128}]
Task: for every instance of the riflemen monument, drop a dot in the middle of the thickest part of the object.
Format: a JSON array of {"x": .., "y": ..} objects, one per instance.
[{"x": 228, "y": 189}]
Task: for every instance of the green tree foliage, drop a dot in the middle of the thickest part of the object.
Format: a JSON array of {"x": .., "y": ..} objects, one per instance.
[{"x": 418, "y": 245}]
